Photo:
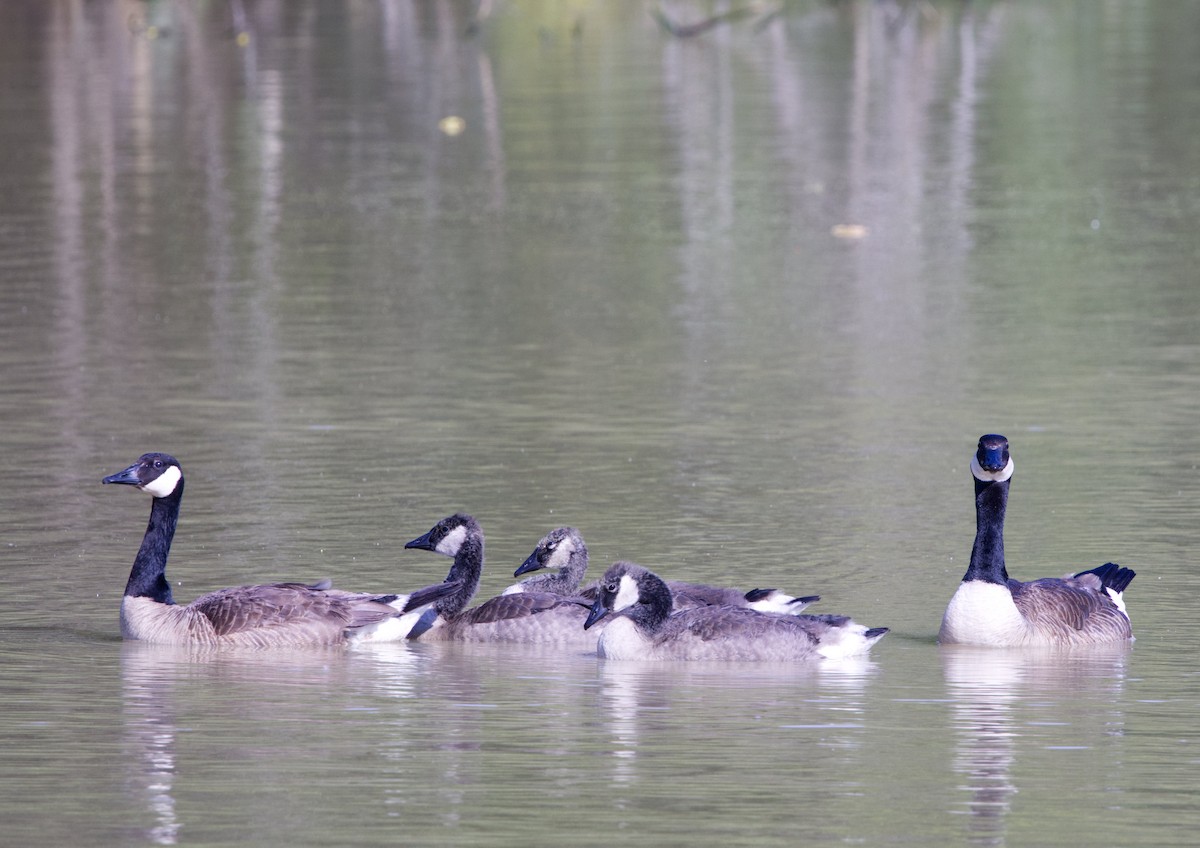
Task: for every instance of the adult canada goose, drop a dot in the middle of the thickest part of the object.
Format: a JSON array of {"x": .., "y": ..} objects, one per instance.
[
  {"x": 541, "y": 618},
  {"x": 275, "y": 615},
  {"x": 563, "y": 552},
  {"x": 644, "y": 627},
  {"x": 990, "y": 608}
]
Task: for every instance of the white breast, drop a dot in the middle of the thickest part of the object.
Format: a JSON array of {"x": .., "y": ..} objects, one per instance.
[
  {"x": 982, "y": 613},
  {"x": 163, "y": 624},
  {"x": 621, "y": 640}
]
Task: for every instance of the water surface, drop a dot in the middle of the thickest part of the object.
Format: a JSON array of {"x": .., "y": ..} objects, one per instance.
[{"x": 738, "y": 306}]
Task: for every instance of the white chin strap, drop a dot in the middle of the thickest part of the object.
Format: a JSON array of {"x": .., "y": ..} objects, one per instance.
[
  {"x": 453, "y": 542},
  {"x": 627, "y": 594},
  {"x": 991, "y": 476},
  {"x": 164, "y": 483}
]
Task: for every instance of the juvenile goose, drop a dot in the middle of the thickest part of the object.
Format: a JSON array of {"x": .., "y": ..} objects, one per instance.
[
  {"x": 645, "y": 629},
  {"x": 990, "y": 608},
  {"x": 275, "y": 615},
  {"x": 542, "y": 618},
  {"x": 563, "y": 551}
]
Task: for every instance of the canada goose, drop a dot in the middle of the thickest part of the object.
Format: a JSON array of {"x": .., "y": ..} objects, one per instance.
[
  {"x": 990, "y": 608},
  {"x": 644, "y": 627},
  {"x": 275, "y": 615},
  {"x": 542, "y": 618},
  {"x": 563, "y": 551}
]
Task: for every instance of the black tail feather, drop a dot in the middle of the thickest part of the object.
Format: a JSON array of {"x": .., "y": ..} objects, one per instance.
[
  {"x": 1112, "y": 576},
  {"x": 755, "y": 595}
]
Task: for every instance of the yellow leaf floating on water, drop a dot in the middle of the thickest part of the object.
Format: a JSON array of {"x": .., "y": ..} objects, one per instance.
[
  {"x": 848, "y": 231},
  {"x": 452, "y": 125}
]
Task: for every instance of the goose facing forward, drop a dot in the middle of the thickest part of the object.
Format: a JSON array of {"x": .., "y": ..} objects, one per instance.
[
  {"x": 990, "y": 608},
  {"x": 274, "y": 615},
  {"x": 563, "y": 552},
  {"x": 535, "y": 618},
  {"x": 644, "y": 628}
]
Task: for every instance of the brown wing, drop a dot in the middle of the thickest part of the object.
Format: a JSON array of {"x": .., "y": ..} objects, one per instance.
[
  {"x": 519, "y": 605},
  {"x": 1069, "y": 608},
  {"x": 278, "y": 605},
  {"x": 739, "y": 623},
  {"x": 696, "y": 594},
  {"x": 589, "y": 593}
]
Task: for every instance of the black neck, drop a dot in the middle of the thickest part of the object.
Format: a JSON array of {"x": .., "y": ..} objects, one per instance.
[
  {"x": 655, "y": 606},
  {"x": 148, "y": 579},
  {"x": 987, "y": 555},
  {"x": 468, "y": 567},
  {"x": 557, "y": 583},
  {"x": 571, "y": 575}
]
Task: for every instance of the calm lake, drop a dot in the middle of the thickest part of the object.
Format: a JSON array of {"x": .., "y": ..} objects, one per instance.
[{"x": 737, "y": 304}]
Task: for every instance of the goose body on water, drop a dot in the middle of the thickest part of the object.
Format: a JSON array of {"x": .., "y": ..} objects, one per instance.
[
  {"x": 563, "y": 554},
  {"x": 535, "y": 618},
  {"x": 642, "y": 627},
  {"x": 273, "y": 615},
  {"x": 992, "y": 609}
]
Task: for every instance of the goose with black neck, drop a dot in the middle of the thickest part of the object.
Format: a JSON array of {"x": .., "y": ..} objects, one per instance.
[
  {"x": 263, "y": 616},
  {"x": 992, "y": 609}
]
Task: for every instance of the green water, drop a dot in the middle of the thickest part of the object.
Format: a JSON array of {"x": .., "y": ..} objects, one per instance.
[{"x": 737, "y": 306}]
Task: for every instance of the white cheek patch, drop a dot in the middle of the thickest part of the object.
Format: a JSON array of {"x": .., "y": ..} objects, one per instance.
[
  {"x": 453, "y": 542},
  {"x": 561, "y": 554},
  {"x": 627, "y": 594},
  {"x": 165, "y": 483},
  {"x": 992, "y": 476}
]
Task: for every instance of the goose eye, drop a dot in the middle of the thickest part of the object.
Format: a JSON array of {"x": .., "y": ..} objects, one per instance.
[{"x": 158, "y": 463}]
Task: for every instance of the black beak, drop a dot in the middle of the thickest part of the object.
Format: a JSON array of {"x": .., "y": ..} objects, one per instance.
[
  {"x": 424, "y": 542},
  {"x": 128, "y": 476},
  {"x": 597, "y": 612},
  {"x": 531, "y": 563}
]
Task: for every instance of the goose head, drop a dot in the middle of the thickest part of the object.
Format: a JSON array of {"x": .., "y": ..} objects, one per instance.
[
  {"x": 448, "y": 536},
  {"x": 630, "y": 590},
  {"x": 157, "y": 474},
  {"x": 556, "y": 550},
  {"x": 991, "y": 463}
]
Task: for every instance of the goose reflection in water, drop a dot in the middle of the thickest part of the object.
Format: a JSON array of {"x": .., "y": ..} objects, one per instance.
[
  {"x": 150, "y": 731},
  {"x": 643, "y": 699},
  {"x": 997, "y": 698},
  {"x": 161, "y": 683}
]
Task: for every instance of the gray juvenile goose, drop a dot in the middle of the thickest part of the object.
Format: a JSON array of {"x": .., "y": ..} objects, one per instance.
[
  {"x": 990, "y": 608},
  {"x": 541, "y": 618},
  {"x": 563, "y": 552},
  {"x": 275, "y": 615},
  {"x": 644, "y": 627}
]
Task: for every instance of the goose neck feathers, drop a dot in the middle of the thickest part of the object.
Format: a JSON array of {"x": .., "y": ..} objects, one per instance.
[
  {"x": 161, "y": 476},
  {"x": 458, "y": 536},
  {"x": 987, "y": 552}
]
